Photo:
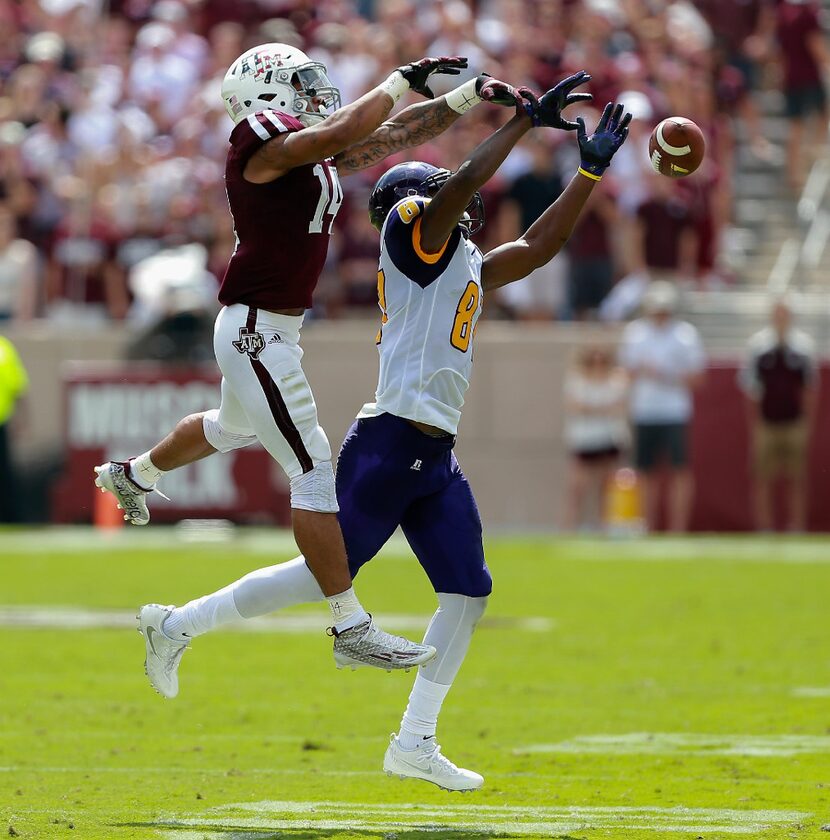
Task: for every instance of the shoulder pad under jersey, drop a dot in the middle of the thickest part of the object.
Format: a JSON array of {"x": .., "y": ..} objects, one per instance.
[
  {"x": 402, "y": 242},
  {"x": 255, "y": 129}
]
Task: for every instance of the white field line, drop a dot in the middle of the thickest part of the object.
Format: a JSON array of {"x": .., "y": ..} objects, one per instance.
[
  {"x": 811, "y": 691},
  {"x": 685, "y": 743},
  {"x": 508, "y": 820},
  {"x": 280, "y": 542},
  {"x": 776, "y": 550},
  {"x": 293, "y": 771},
  {"x": 75, "y": 539},
  {"x": 166, "y": 770},
  {"x": 508, "y": 828},
  {"x": 419, "y": 809},
  {"x": 81, "y": 618}
]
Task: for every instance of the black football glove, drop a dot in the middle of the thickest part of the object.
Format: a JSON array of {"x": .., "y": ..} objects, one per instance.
[
  {"x": 597, "y": 150},
  {"x": 417, "y": 73},
  {"x": 548, "y": 110}
]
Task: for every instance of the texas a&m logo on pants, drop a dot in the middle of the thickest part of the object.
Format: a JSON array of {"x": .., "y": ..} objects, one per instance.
[{"x": 249, "y": 342}]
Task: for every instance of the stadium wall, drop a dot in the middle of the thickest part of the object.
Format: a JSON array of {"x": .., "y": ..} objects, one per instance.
[{"x": 510, "y": 441}]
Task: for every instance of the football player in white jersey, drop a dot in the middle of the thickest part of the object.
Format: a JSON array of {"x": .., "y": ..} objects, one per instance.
[{"x": 396, "y": 467}]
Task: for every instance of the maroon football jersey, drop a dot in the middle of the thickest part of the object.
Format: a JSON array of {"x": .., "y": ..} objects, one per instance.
[{"x": 282, "y": 227}]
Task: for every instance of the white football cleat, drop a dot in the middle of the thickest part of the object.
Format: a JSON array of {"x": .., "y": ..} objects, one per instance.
[
  {"x": 114, "y": 477},
  {"x": 367, "y": 644},
  {"x": 163, "y": 654},
  {"x": 427, "y": 762}
]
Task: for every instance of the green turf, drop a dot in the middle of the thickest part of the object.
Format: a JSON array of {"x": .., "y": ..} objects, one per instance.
[{"x": 715, "y": 641}]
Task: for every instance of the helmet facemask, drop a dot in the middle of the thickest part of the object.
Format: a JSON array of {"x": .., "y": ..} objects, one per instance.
[{"x": 315, "y": 97}]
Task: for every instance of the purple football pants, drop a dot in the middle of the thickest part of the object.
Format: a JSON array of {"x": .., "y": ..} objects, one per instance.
[{"x": 391, "y": 474}]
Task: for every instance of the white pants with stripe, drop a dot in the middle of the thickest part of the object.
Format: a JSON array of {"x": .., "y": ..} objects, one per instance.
[{"x": 265, "y": 394}]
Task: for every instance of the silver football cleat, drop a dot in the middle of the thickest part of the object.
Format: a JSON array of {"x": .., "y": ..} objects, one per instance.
[
  {"x": 367, "y": 644},
  {"x": 113, "y": 477}
]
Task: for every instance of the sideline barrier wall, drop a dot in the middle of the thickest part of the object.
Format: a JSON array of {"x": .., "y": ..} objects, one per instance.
[{"x": 510, "y": 441}]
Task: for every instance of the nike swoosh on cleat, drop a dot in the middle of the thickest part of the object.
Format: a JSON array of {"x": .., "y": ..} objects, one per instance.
[
  {"x": 426, "y": 770},
  {"x": 150, "y": 633}
]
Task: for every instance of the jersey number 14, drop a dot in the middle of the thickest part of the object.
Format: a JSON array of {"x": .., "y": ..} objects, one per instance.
[{"x": 330, "y": 198}]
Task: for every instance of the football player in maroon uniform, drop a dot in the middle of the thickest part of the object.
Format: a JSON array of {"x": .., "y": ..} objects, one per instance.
[{"x": 289, "y": 141}]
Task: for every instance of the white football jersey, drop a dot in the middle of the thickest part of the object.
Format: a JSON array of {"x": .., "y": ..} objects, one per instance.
[{"x": 430, "y": 305}]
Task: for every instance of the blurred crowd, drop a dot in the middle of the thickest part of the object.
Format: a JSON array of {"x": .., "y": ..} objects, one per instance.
[{"x": 113, "y": 138}]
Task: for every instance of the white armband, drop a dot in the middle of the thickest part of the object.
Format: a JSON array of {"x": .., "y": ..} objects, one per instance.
[
  {"x": 463, "y": 97},
  {"x": 395, "y": 85}
]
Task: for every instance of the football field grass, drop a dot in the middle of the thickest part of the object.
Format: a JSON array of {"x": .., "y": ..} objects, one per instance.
[{"x": 631, "y": 689}]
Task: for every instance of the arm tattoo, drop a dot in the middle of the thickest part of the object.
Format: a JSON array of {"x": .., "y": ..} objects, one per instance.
[{"x": 413, "y": 126}]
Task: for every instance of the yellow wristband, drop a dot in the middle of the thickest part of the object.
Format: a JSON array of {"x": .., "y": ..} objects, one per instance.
[{"x": 590, "y": 175}]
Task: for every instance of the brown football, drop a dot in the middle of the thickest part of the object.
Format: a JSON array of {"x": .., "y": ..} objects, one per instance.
[{"x": 676, "y": 147}]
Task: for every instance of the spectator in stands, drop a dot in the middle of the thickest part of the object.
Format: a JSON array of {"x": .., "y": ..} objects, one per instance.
[
  {"x": 357, "y": 262},
  {"x": 741, "y": 30},
  {"x": 664, "y": 357},
  {"x": 13, "y": 385},
  {"x": 161, "y": 81},
  {"x": 591, "y": 254},
  {"x": 780, "y": 380},
  {"x": 18, "y": 271},
  {"x": 542, "y": 294},
  {"x": 596, "y": 432},
  {"x": 83, "y": 281},
  {"x": 660, "y": 244},
  {"x": 805, "y": 59},
  {"x": 663, "y": 236}
]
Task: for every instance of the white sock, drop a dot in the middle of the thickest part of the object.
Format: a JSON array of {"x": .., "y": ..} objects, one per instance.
[
  {"x": 144, "y": 472},
  {"x": 421, "y": 716},
  {"x": 450, "y": 632},
  {"x": 346, "y": 610},
  {"x": 261, "y": 592},
  {"x": 202, "y": 614}
]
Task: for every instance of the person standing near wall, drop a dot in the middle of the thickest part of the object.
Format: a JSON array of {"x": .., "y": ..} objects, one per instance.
[
  {"x": 13, "y": 384},
  {"x": 596, "y": 432},
  {"x": 664, "y": 357},
  {"x": 780, "y": 380}
]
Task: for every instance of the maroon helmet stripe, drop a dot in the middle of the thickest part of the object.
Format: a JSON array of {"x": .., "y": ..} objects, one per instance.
[
  {"x": 250, "y": 323},
  {"x": 279, "y": 411}
]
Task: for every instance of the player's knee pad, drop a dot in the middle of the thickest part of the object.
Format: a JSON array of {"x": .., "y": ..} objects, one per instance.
[
  {"x": 221, "y": 439},
  {"x": 315, "y": 490}
]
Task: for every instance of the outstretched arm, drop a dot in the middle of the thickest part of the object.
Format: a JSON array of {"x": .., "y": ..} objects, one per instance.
[
  {"x": 414, "y": 125},
  {"x": 346, "y": 126},
  {"x": 546, "y": 236},
  {"x": 421, "y": 122},
  {"x": 447, "y": 207},
  {"x": 543, "y": 239}
]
